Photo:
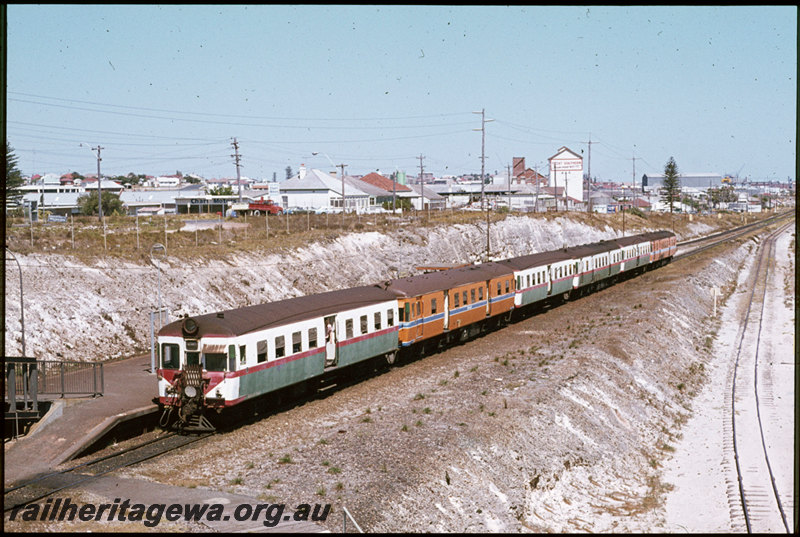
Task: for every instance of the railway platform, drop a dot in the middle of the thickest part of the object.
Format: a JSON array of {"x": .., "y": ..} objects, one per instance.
[
  {"x": 75, "y": 423},
  {"x": 72, "y": 425}
]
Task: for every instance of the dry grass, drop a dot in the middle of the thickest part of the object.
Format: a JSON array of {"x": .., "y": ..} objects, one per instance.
[{"x": 124, "y": 238}]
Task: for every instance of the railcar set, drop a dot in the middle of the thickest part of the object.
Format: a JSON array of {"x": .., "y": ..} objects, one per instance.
[{"x": 221, "y": 360}]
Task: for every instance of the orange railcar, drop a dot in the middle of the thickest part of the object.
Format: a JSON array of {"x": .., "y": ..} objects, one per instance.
[{"x": 451, "y": 301}]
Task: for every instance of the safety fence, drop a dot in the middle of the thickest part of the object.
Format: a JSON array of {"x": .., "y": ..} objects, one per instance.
[{"x": 30, "y": 378}]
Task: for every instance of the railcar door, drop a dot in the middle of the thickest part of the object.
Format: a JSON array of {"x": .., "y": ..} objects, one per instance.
[
  {"x": 419, "y": 317},
  {"x": 446, "y": 310},
  {"x": 330, "y": 340}
]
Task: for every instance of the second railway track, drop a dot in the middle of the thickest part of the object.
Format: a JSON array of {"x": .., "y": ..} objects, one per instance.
[{"x": 761, "y": 501}]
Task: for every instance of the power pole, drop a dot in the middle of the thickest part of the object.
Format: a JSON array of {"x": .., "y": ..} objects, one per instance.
[
  {"x": 236, "y": 160},
  {"x": 483, "y": 171},
  {"x": 589, "y": 182},
  {"x": 554, "y": 171},
  {"x": 342, "y": 166},
  {"x": 394, "y": 191},
  {"x": 509, "y": 188},
  {"x": 422, "y": 184},
  {"x": 99, "y": 184},
  {"x": 484, "y": 121}
]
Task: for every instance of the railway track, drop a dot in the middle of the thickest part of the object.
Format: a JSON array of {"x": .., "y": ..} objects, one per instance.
[
  {"x": 48, "y": 484},
  {"x": 695, "y": 246},
  {"x": 761, "y": 500}
]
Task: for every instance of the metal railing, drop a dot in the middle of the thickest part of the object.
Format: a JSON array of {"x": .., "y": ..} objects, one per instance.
[
  {"x": 71, "y": 378},
  {"x": 21, "y": 380},
  {"x": 63, "y": 378}
]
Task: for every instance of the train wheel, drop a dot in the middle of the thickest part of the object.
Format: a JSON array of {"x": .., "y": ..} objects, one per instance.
[{"x": 256, "y": 213}]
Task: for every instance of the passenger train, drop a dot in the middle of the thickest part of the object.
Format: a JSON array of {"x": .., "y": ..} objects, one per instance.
[{"x": 220, "y": 360}]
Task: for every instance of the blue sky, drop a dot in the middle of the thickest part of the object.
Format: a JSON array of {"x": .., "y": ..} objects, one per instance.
[{"x": 166, "y": 88}]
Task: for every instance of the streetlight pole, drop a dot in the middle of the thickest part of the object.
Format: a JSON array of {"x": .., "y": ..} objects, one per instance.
[{"x": 21, "y": 302}]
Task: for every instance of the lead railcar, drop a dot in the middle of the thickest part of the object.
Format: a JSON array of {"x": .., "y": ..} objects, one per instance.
[{"x": 219, "y": 360}]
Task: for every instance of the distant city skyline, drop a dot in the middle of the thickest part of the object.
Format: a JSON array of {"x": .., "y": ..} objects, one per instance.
[{"x": 167, "y": 88}]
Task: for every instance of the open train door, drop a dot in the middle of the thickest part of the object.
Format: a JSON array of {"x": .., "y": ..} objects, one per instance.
[{"x": 330, "y": 340}]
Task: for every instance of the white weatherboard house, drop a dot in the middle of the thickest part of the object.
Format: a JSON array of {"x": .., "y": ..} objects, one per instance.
[
  {"x": 566, "y": 170},
  {"x": 316, "y": 189}
]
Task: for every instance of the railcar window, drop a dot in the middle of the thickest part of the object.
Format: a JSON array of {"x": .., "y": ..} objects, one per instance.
[
  {"x": 499, "y": 288},
  {"x": 390, "y": 317},
  {"x": 433, "y": 306},
  {"x": 170, "y": 357},
  {"x": 261, "y": 349},
  {"x": 472, "y": 296},
  {"x": 508, "y": 286},
  {"x": 519, "y": 281},
  {"x": 377, "y": 320},
  {"x": 192, "y": 358},
  {"x": 242, "y": 354},
  {"x": 465, "y": 298},
  {"x": 455, "y": 300},
  {"x": 312, "y": 338},
  {"x": 363, "y": 324},
  {"x": 297, "y": 342},
  {"x": 215, "y": 361},
  {"x": 480, "y": 293},
  {"x": 348, "y": 328},
  {"x": 280, "y": 347}
]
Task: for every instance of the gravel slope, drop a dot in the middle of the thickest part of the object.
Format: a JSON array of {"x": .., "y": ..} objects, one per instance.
[{"x": 561, "y": 422}]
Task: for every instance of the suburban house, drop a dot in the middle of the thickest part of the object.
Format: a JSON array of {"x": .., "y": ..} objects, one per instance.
[
  {"x": 316, "y": 189},
  {"x": 427, "y": 198},
  {"x": 388, "y": 189}
]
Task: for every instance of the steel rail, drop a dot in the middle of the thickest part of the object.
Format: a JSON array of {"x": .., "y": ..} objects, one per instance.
[
  {"x": 102, "y": 473},
  {"x": 770, "y": 255},
  {"x": 742, "y": 494},
  {"x": 88, "y": 463},
  {"x": 733, "y": 234}
]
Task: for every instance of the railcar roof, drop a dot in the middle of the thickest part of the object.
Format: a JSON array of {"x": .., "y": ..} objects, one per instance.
[
  {"x": 594, "y": 248},
  {"x": 630, "y": 240},
  {"x": 240, "y": 321},
  {"x": 536, "y": 260},
  {"x": 446, "y": 279},
  {"x": 655, "y": 235}
]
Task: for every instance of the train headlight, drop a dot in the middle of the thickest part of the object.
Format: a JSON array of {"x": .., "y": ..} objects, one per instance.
[{"x": 190, "y": 392}]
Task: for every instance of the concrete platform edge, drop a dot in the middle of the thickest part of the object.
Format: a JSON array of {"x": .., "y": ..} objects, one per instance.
[{"x": 99, "y": 430}]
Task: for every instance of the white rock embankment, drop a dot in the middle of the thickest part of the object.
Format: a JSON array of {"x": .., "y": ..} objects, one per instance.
[{"x": 75, "y": 311}]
